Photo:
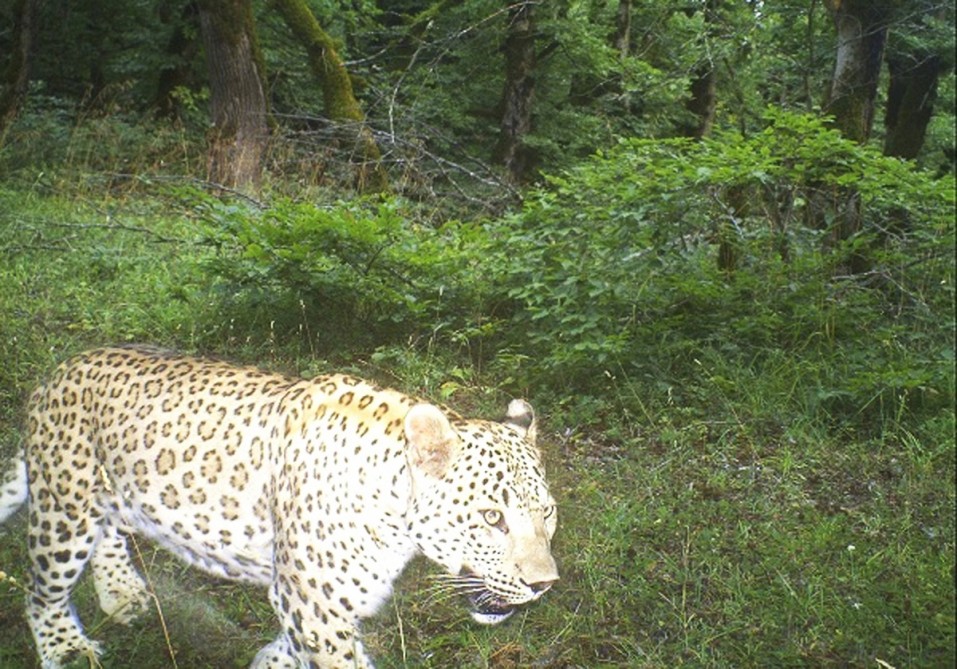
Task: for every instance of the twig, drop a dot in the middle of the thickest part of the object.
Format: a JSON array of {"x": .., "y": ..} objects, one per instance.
[
  {"x": 156, "y": 601},
  {"x": 202, "y": 183},
  {"x": 116, "y": 226}
]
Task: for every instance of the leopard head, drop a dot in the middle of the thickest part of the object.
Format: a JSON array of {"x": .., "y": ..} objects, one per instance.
[{"x": 481, "y": 507}]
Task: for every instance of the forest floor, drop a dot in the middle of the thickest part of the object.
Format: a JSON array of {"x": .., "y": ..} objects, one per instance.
[{"x": 683, "y": 541}]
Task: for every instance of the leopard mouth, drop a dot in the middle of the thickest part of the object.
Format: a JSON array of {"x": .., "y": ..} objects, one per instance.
[{"x": 486, "y": 607}]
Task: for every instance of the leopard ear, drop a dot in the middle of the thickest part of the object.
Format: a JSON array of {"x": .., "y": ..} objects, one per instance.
[
  {"x": 432, "y": 443},
  {"x": 521, "y": 415}
]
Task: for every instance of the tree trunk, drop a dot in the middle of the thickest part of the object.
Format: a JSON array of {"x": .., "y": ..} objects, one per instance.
[
  {"x": 518, "y": 93},
  {"x": 340, "y": 103},
  {"x": 623, "y": 29},
  {"x": 17, "y": 76},
  {"x": 704, "y": 99},
  {"x": 702, "y": 102},
  {"x": 238, "y": 136},
  {"x": 861, "y": 36},
  {"x": 180, "y": 50},
  {"x": 861, "y": 27},
  {"x": 910, "y": 103}
]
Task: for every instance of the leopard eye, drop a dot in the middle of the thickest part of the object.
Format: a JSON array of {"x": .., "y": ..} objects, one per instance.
[
  {"x": 496, "y": 519},
  {"x": 492, "y": 516},
  {"x": 549, "y": 511}
]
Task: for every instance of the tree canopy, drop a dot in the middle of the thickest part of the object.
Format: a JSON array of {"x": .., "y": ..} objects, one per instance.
[{"x": 496, "y": 93}]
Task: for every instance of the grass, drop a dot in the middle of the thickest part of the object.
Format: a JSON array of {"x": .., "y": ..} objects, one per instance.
[{"x": 731, "y": 529}]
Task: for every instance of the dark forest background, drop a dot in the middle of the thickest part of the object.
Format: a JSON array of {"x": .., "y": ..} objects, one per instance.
[{"x": 711, "y": 241}]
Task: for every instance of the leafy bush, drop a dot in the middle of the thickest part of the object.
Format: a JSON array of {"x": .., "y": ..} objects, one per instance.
[
  {"x": 349, "y": 277},
  {"x": 55, "y": 138},
  {"x": 663, "y": 268},
  {"x": 649, "y": 258}
]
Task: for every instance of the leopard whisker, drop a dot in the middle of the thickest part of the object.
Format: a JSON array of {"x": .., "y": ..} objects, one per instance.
[{"x": 447, "y": 586}]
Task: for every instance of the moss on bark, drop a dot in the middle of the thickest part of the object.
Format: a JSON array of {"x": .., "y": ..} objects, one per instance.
[{"x": 338, "y": 97}]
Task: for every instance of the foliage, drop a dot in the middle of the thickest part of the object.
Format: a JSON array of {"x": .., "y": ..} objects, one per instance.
[
  {"x": 710, "y": 514},
  {"x": 615, "y": 271},
  {"x": 429, "y": 77},
  {"x": 752, "y": 446},
  {"x": 57, "y": 140},
  {"x": 613, "y": 268},
  {"x": 365, "y": 266}
]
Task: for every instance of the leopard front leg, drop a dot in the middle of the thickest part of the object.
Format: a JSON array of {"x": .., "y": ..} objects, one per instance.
[
  {"x": 61, "y": 542},
  {"x": 317, "y": 634},
  {"x": 277, "y": 655}
]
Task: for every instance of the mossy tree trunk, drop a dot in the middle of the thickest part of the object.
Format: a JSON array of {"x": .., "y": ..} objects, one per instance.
[
  {"x": 17, "y": 76},
  {"x": 704, "y": 97},
  {"x": 623, "y": 29},
  {"x": 239, "y": 133},
  {"x": 910, "y": 103},
  {"x": 703, "y": 101},
  {"x": 340, "y": 102},
  {"x": 861, "y": 27},
  {"x": 861, "y": 30},
  {"x": 518, "y": 93}
]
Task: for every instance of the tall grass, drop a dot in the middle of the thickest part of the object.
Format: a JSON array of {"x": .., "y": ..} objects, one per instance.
[{"x": 752, "y": 469}]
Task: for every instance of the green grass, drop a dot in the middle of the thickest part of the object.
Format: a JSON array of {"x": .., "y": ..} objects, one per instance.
[{"x": 723, "y": 524}]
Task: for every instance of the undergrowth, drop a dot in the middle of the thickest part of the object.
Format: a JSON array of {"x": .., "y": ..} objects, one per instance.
[{"x": 750, "y": 435}]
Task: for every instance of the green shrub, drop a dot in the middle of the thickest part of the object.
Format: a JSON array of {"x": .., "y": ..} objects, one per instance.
[
  {"x": 349, "y": 277},
  {"x": 668, "y": 268},
  {"x": 650, "y": 258},
  {"x": 54, "y": 137}
]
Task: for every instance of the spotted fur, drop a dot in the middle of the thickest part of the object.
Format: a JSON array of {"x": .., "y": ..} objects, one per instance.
[{"x": 320, "y": 489}]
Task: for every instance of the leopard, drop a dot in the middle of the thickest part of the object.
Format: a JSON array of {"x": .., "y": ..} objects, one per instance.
[{"x": 320, "y": 490}]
